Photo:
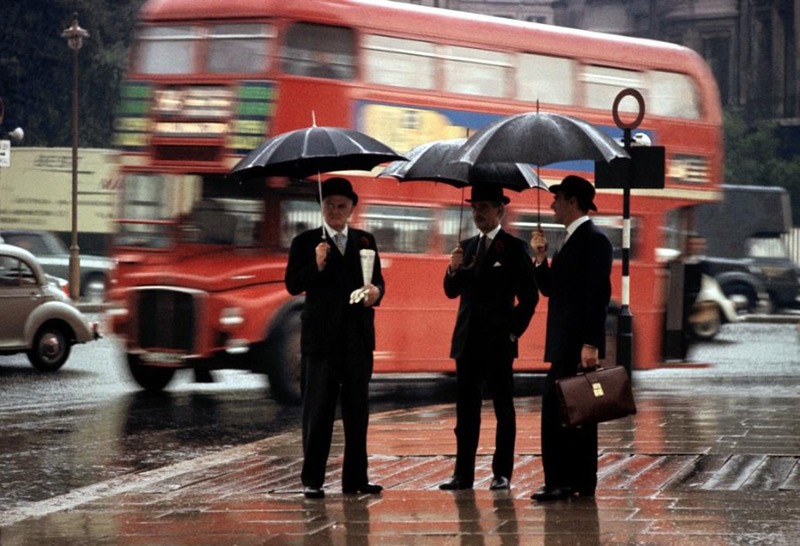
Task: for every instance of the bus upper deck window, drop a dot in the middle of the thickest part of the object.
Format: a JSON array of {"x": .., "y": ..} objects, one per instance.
[
  {"x": 319, "y": 51},
  {"x": 166, "y": 50},
  {"x": 239, "y": 48},
  {"x": 673, "y": 95}
]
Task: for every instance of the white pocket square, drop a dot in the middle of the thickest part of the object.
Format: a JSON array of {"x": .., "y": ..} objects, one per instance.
[{"x": 497, "y": 264}]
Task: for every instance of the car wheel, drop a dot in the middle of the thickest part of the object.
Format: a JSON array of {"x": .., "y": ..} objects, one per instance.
[
  {"x": 286, "y": 365},
  {"x": 150, "y": 378},
  {"x": 742, "y": 295},
  {"x": 50, "y": 349}
]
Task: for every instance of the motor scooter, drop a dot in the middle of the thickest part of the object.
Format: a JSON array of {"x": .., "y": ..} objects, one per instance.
[{"x": 711, "y": 309}]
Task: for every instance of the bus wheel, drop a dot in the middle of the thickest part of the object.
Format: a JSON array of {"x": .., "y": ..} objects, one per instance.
[
  {"x": 150, "y": 378},
  {"x": 285, "y": 365}
]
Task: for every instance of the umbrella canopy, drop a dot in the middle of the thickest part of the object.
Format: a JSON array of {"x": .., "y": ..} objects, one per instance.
[
  {"x": 312, "y": 150},
  {"x": 432, "y": 161},
  {"x": 538, "y": 138}
]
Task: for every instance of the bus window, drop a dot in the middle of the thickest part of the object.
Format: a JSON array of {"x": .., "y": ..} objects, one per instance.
[
  {"x": 239, "y": 48},
  {"x": 449, "y": 229},
  {"x": 524, "y": 225},
  {"x": 398, "y": 228},
  {"x": 603, "y": 84},
  {"x": 476, "y": 71},
  {"x": 146, "y": 217},
  {"x": 398, "y": 62},
  {"x": 319, "y": 51},
  {"x": 546, "y": 79},
  {"x": 166, "y": 50},
  {"x": 298, "y": 216},
  {"x": 673, "y": 95}
]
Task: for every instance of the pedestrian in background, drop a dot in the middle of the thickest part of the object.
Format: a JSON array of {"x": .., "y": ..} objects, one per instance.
[
  {"x": 492, "y": 273},
  {"x": 337, "y": 338},
  {"x": 577, "y": 283}
]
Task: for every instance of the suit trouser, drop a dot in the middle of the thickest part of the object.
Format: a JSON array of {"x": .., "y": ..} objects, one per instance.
[
  {"x": 569, "y": 455},
  {"x": 498, "y": 374},
  {"x": 327, "y": 379}
]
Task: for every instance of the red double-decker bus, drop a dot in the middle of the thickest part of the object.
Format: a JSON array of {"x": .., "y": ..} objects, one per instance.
[{"x": 201, "y": 258}]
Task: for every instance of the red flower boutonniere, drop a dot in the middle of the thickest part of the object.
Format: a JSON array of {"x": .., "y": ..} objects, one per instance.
[
  {"x": 363, "y": 242},
  {"x": 499, "y": 246}
]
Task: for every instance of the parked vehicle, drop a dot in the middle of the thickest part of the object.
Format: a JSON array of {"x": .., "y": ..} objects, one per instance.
[
  {"x": 36, "y": 316},
  {"x": 744, "y": 249},
  {"x": 711, "y": 310},
  {"x": 53, "y": 255}
]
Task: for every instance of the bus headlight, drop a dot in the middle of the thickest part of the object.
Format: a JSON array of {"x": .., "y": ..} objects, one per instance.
[{"x": 231, "y": 316}]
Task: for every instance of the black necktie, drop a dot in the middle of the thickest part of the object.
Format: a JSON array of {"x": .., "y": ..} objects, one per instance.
[{"x": 481, "y": 249}]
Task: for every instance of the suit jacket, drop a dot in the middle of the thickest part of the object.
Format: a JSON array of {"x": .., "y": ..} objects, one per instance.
[
  {"x": 488, "y": 293},
  {"x": 578, "y": 285},
  {"x": 327, "y": 309}
]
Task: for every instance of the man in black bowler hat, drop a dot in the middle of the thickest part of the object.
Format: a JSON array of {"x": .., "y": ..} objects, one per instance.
[
  {"x": 337, "y": 338},
  {"x": 493, "y": 275},
  {"x": 577, "y": 283}
]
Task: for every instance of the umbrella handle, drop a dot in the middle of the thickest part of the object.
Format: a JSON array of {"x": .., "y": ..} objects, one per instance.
[{"x": 321, "y": 204}]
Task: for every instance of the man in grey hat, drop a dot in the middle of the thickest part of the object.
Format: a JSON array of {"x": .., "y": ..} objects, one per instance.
[
  {"x": 492, "y": 273},
  {"x": 577, "y": 283},
  {"x": 337, "y": 338}
]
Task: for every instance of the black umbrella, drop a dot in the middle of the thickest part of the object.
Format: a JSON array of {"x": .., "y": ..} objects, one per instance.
[
  {"x": 432, "y": 161},
  {"x": 538, "y": 138},
  {"x": 314, "y": 150}
]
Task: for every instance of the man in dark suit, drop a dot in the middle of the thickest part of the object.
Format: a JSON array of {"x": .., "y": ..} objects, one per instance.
[
  {"x": 578, "y": 285},
  {"x": 337, "y": 338},
  {"x": 492, "y": 273}
]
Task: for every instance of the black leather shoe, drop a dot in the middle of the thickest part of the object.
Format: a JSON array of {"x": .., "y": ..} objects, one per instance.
[
  {"x": 367, "y": 489},
  {"x": 556, "y": 493},
  {"x": 313, "y": 492},
  {"x": 500, "y": 483},
  {"x": 455, "y": 484}
]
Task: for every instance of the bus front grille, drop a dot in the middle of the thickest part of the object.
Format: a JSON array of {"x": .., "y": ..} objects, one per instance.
[{"x": 167, "y": 319}]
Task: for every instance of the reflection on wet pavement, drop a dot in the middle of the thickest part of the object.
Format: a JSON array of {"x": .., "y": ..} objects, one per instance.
[{"x": 711, "y": 469}]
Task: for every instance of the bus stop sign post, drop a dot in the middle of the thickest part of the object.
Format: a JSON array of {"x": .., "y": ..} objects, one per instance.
[{"x": 644, "y": 169}]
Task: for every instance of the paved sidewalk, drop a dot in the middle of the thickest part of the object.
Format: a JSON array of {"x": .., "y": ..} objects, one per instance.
[{"x": 711, "y": 464}]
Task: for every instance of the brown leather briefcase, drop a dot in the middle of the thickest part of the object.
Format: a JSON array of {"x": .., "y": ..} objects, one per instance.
[{"x": 595, "y": 395}]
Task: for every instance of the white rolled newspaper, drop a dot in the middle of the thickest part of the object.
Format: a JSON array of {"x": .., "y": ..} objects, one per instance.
[{"x": 367, "y": 266}]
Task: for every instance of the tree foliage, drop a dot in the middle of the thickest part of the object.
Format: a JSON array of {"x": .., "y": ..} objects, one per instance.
[
  {"x": 755, "y": 155},
  {"x": 36, "y": 73}
]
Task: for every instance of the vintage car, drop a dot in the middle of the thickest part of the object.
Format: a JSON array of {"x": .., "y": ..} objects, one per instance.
[
  {"x": 36, "y": 316},
  {"x": 53, "y": 255}
]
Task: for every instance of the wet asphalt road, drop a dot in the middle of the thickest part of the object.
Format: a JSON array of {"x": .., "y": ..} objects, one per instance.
[{"x": 89, "y": 423}]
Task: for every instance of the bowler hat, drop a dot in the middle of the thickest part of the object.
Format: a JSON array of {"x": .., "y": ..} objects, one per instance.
[
  {"x": 339, "y": 186},
  {"x": 579, "y": 188},
  {"x": 488, "y": 192}
]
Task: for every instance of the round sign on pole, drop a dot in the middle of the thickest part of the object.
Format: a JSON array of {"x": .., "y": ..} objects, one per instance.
[{"x": 629, "y": 92}]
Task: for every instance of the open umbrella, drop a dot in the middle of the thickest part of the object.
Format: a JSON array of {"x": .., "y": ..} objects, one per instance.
[
  {"x": 538, "y": 138},
  {"x": 432, "y": 161},
  {"x": 313, "y": 150}
]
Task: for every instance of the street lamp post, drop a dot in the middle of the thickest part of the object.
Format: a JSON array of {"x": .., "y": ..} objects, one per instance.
[{"x": 74, "y": 36}]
